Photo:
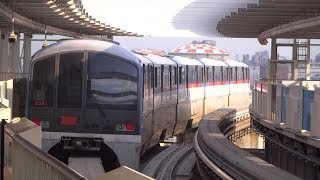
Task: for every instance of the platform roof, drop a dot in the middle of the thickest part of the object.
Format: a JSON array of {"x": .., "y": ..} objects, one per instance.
[
  {"x": 252, "y": 18},
  {"x": 62, "y": 17}
]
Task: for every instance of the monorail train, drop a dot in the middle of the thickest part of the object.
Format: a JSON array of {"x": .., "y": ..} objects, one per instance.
[{"x": 91, "y": 95}]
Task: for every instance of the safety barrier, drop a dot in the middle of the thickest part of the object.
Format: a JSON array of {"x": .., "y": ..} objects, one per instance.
[
  {"x": 25, "y": 160},
  {"x": 293, "y": 104}
]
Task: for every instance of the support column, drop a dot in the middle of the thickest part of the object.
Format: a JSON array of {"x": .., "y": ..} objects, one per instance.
[
  {"x": 295, "y": 64},
  {"x": 272, "y": 67},
  {"x": 308, "y": 72},
  {"x": 4, "y": 61},
  {"x": 15, "y": 56},
  {"x": 26, "y": 52}
]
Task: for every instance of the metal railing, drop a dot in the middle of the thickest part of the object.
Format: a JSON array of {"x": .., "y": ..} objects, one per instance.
[{"x": 31, "y": 163}]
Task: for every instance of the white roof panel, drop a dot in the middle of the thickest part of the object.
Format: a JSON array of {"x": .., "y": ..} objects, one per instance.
[
  {"x": 186, "y": 61},
  {"x": 160, "y": 59},
  {"x": 213, "y": 62},
  {"x": 236, "y": 63}
]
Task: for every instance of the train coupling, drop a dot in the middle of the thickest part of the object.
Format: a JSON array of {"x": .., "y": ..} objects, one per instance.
[{"x": 81, "y": 143}]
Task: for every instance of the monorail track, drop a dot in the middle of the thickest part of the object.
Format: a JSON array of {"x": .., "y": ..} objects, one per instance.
[{"x": 175, "y": 162}]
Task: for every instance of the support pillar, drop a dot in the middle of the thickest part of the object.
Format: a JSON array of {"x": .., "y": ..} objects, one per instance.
[
  {"x": 4, "y": 61},
  {"x": 272, "y": 67},
  {"x": 26, "y": 52},
  {"x": 15, "y": 56},
  {"x": 308, "y": 62},
  {"x": 295, "y": 64}
]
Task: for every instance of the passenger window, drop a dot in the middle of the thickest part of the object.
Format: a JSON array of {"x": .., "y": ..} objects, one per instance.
[
  {"x": 175, "y": 75},
  {"x": 213, "y": 78},
  {"x": 162, "y": 71},
  {"x": 144, "y": 79},
  {"x": 180, "y": 75},
  {"x": 70, "y": 80},
  {"x": 155, "y": 77},
  {"x": 43, "y": 82},
  {"x": 170, "y": 77}
]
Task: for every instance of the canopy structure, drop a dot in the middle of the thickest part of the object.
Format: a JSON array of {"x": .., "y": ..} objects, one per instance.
[
  {"x": 252, "y": 18},
  {"x": 200, "y": 49},
  {"x": 61, "y": 17}
]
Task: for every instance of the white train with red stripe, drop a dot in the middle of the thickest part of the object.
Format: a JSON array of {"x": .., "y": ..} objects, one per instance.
[{"x": 91, "y": 95}]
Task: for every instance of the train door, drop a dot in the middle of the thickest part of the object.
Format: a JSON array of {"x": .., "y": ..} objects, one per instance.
[
  {"x": 69, "y": 112},
  {"x": 41, "y": 100}
]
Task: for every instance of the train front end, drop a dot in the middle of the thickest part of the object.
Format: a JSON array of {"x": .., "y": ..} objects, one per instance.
[{"x": 85, "y": 94}]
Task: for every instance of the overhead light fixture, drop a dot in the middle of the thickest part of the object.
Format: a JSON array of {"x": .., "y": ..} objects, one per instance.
[
  {"x": 53, "y": 6},
  {"x": 50, "y": 2},
  {"x": 70, "y": 2},
  {"x": 76, "y": 22},
  {"x": 66, "y": 16},
  {"x": 72, "y": 6},
  {"x": 57, "y": 10},
  {"x": 75, "y": 10},
  {"x": 71, "y": 19},
  {"x": 62, "y": 13}
]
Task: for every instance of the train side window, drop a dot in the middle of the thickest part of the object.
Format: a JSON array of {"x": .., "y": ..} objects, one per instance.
[
  {"x": 155, "y": 77},
  {"x": 247, "y": 74},
  {"x": 207, "y": 74},
  {"x": 144, "y": 79},
  {"x": 225, "y": 74},
  {"x": 221, "y": 78},
  {"x": 187, "y": 76},
  {"x": 70, "y": 80},
  {"x": 213, "y": 78},
  {"x": 242, "y": 74},
  {"x": 197, "y": 79},
  {"x": 201, "y": 75},
  {"x": 180, "y": 75},
  {"x": 175, "y": 75},
  {"x": 236, "y": 74},
  {"x": 162, "y": 71},
  {"x": 43, "y": 82},
  {"x": 170, "y": 77}
]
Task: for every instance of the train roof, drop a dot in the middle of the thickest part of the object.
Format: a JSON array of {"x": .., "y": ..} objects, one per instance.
[
  {"x": 160, "y": 59},
  {"x": 236, "y": 63},
  {"x": 186, "y": 61},
  {"x": 143, "y": 59},
  {"x": 212, "y": 62},
  {"x": 87, "y": 45}
]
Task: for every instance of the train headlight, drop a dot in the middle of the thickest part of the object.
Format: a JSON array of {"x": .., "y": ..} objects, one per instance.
[{"x": 78, "y": 144}]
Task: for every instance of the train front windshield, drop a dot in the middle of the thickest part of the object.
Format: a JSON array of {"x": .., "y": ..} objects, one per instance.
[
  {"x": 112, "y": 84},
  {"x": 97, "y": 95}
]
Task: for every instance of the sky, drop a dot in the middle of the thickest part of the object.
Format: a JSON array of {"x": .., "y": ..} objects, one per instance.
[{"x": 152, "y": 18}]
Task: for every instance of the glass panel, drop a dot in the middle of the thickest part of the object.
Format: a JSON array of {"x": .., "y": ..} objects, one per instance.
[
  {"x": 315, "y": 54},
  {"x": 302, "y": 41},
  {"x": 284, "y": 71},
  {"x": 43, "y": 83},
  {"x": 70, "y": 80},
  {"x": 315, "y": 70},
  {"x": 301, "y": 70},
  {"x": 284, "y": 41},
  {"x": 315, "y": 41},
  {"x": 284, "y": 52},
  {"x": 112, "y": 83}
]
